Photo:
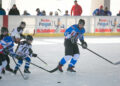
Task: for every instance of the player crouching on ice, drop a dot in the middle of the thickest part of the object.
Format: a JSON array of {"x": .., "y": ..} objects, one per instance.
[
  {"x": 72, "y": 34},
  {"x": 25, "y": 51},
  {"x": 6, "y": 48}
]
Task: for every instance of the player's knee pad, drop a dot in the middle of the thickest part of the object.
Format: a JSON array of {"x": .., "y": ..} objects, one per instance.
[
  {"x": 67, "y": 58},
  {"x": 28, "y": 59},
  {"x": 76, "y": 56},
  {"x": 4, "y": 63}
]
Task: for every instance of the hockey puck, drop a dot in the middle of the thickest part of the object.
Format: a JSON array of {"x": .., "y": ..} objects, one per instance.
[{"x": 58, "y": 82}]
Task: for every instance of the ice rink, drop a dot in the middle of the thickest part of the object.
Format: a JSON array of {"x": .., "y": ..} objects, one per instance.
[{"x": 91, "y": 69}]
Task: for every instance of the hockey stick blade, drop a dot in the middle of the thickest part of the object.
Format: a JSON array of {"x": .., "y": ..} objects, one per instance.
[
  {"x": 55, "y": 69},
  {"x": 117, "y": 63},
  {"x": 41, "y": 68}
]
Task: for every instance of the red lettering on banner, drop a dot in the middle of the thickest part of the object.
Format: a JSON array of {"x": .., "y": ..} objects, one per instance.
[
  {"x": 45, "y": 30},
  {"x": 103, "y": 30},
  {"x": 118, "y": 30},
  {"x": 45, "y": 20},
  {"x": 62, "y": 30},
  {"x": 103, "y": 20}
]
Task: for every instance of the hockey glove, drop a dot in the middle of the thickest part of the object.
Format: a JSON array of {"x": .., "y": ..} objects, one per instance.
[
  {"x": 34, "y": 55},
  {"x": 73, "y": 40},
  {"x": 84, "y": 44}
]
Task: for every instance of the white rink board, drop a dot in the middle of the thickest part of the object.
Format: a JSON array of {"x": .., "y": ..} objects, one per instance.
[
  {"x": 14, "y": 22},
  {"x": 47, "y": 24}
]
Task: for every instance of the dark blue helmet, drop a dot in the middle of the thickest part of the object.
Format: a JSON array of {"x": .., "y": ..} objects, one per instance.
[
  {"x": 4, "y": 29},
  {"x": 29, "y": 37},
  {"x": 81, "y": 21}
]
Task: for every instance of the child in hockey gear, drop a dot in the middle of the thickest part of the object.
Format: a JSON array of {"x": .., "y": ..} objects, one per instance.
[
  {"x": 4, "y": 33},
  {"x": 19, "y": 30},
  {"x": 24, "y": 50},
  {"x": 6, "y": 48},
  {"x": 72, "y": 34}
]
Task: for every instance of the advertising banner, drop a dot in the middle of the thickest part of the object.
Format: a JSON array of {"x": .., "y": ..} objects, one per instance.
[
  {"x": 50, "y": 24},
  {"x": 107, "y": 24}
]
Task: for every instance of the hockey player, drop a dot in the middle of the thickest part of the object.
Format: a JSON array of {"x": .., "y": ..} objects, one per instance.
[
  {"x": 4, "y": 33},
  {"x": 72, "y": 34},
  {"x": 19, "y": 30},
  {"x": 25, "y": 51},
  {"x": 6, "y": 48}
]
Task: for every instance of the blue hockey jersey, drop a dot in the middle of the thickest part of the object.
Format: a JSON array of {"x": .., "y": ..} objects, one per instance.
[
  {"x": 74, "y": 31},
  {"x": 7, "y": 44}
]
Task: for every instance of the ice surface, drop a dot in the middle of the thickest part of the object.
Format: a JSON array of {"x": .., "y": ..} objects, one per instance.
[{"x": 91, "y": 70}]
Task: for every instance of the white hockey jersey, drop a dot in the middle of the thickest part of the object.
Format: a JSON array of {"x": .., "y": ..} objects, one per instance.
[
  {"x": 24, "y": 49},
  {"x": 16, "y": 30}
]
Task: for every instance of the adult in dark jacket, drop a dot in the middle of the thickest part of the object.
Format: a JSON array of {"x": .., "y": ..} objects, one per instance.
[
  {"x": 107, "y": 12},
  {"x": 14, "y": 11},
  {"x": 2, "y": 11}
]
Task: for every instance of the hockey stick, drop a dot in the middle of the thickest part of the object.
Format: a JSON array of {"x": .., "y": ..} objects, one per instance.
[
  {"x": 33, "y": 33},
  {"x": 41, "y": 67},
  {"x": 101, "y": 56},
  {"x": 42, "y": 60},
  {"x": 19, "y": 69},
  {"x": 59, "y": 11}
]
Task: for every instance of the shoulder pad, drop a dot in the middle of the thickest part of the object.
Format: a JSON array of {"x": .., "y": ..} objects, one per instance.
[{"x": 7, "y": 39}]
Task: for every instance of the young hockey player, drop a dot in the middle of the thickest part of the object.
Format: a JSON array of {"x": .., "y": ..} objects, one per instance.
[
  {"x": 25, "y": 51},
  {"x": 4, "y": 33},
  {"x": 6, "y": 48},
  {"x": 19, "y": 30},
  {"x": 72, "y": 34}
]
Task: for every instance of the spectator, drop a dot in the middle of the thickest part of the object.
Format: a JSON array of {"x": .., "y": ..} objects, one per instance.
[
  {"x": 118, "y": 14},
  {"x": 14, "y": 10},
  {"x": 76, "y": 9},
  {"x": 56, "y": 13},
  {"x": 51, "y": 13},
  {"x": 26, "y": 13},
  {"x": 43, "y": 13},
  {"x": 99, "y": 11},
  {"x": 2, "y": 11},
  {"x": 107, "y": 12},
  {"x": 38, "y": 12},
  {"x": 66, "y": 13}
]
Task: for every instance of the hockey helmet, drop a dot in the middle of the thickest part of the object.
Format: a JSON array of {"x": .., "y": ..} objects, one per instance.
[
  {"x": 82, "y": 22},
  {"x": 29, "y": 37},
  {"x": 23, "y": 23},
  {"x": 4, "y": 29}
]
